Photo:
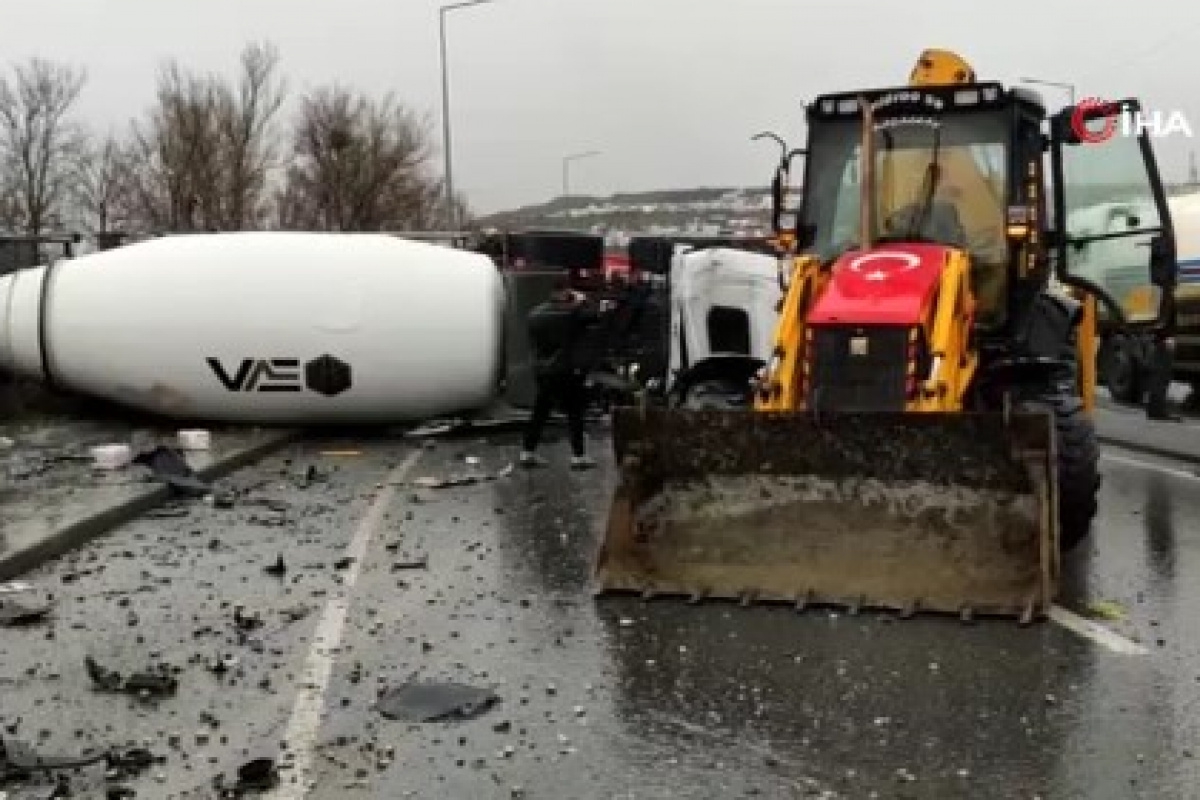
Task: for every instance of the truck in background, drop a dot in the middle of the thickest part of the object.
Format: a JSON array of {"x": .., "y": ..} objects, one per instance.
[
  {"x": 695, "y": 328},
  {"x": 1124, "y": 359}
]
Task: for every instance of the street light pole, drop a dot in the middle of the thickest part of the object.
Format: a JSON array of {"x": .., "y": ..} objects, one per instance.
[
  {"x": 1069, "y": 87},
  {"x": 566, "y": 169},
  {"x": 451, "y": 210}
]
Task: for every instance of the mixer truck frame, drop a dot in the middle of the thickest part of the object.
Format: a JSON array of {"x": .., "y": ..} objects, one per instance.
[{"x": 1125, "y": 358}]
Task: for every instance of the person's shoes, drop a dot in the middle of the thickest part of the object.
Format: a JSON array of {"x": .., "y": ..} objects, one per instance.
[
  {"x": 528, "y": 459},
  {"x": 582, "y": 462}
]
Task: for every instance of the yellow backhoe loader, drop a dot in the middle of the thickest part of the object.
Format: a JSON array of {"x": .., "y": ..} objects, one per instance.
[{"x": 921, "y": 439}]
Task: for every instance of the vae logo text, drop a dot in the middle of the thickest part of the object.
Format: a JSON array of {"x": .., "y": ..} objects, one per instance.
[{"x": 326, "y": 374}]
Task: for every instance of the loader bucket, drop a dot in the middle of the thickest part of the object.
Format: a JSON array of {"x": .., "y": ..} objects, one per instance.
[{"x": 939, "y": 512}]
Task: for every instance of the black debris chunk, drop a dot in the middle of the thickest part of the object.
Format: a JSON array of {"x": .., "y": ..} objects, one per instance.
[
  {"x": 155, "y": 682},
  {"x": 431, "y": 702},
  {"x": 258, "y": 773},
  {"x": 15, "y": 611},
  {"x": 224, "y": 500},
  {"x": 244, "y": 622},
  {"x": 104, "y": 678},
  {"x": 151, "y": 683},
  {"x": 169, "y": 466}
]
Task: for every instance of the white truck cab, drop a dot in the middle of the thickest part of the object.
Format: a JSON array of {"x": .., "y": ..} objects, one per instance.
[{"x": 722, "y": 323}]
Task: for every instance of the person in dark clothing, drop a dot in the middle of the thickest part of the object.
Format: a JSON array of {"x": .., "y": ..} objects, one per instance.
[
  {"x": 1162, "y": 364},
  {"x": 557, "y": 331}
]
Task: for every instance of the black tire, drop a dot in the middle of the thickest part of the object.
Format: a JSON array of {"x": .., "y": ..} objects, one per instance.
[
  {"x": 1078, "y": 465},
  {"x": 1123, "y": 371}
]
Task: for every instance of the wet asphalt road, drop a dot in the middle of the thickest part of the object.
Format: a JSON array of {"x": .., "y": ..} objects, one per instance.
[{"x": 598, "y": 699}]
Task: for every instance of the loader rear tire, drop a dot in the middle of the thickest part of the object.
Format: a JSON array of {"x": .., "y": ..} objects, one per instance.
[
  {"x": 1078, "y": 466},
  {"x": 1123, "y": 370}
]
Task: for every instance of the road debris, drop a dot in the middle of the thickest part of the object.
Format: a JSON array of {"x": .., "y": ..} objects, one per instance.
[
  {"x": 109, "y": 457},
  {"x": 169, "y": 466},
  {"x": 168, "y": 512},
  {"x": 258, "y": 773},
  {"x": 434, "y": 702},
  {"x": 1105, "y": 609},
  {"x": 14, "y": 613},
  {"x": 310, "y": 476},
  {"x": 457, "y": 427},
  {"x": 245, "y": 622},
  {"x": 20, "y": 762},
  {"x": 464, "y": 479},
  {"x": 195, "y": 440},
  {"x": 19, "y": 607},
  {"x": 444, "y": 483},
  {"x": 156, "y": 681}
]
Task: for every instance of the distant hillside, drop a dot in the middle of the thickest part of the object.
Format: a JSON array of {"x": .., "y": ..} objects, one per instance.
[
  {"x": 698, "y": 211},
  {"x": 702, "y": 211}
]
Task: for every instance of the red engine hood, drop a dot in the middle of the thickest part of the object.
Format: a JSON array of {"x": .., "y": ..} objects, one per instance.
[{"x": 889, "y": 285}]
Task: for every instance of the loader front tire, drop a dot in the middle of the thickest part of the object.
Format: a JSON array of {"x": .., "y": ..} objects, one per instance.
[{"x": 1078, "y": 465}]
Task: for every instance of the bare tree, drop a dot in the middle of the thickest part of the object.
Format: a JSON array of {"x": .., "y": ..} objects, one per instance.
[
  {"x": 359, "y": 164},
  {"x": 247, "y": 137},
  {"x": 174, "y": 177},
  {"x": 40, "y": 142},
  {"x": 101, "y": 185},
  {"x": 203, "y": 155}
]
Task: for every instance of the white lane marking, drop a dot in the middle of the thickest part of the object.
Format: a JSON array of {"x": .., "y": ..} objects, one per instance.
[
  {"x": 1096, "y": 632},
  {"x": 301, "y": 736},
  {"x": 1137, "y": 462}
]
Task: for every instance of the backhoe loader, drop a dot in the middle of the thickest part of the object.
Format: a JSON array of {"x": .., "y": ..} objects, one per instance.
[{"x": 920, "y": 439}]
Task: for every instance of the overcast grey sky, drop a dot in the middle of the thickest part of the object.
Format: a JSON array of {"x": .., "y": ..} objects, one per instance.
[{"x": 669, "y": 90}]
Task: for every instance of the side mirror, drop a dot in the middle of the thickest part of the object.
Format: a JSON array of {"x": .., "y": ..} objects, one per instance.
[
  {"x": 779, "y": 184},
  {"x": 777, "y": 199}
]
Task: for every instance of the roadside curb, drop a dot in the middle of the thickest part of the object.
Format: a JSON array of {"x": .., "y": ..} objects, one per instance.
[
  {"x": 81, "y": 531},
  {"x": 1149, "y": 449}
]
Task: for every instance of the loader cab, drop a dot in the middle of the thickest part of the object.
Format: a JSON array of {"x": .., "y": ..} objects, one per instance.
[
  {"x": 950, "y": 163},
  {"x": 1113, "y": 237}
]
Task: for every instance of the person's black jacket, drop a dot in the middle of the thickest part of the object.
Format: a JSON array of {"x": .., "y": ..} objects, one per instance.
[{"x": 558, "y": 332}]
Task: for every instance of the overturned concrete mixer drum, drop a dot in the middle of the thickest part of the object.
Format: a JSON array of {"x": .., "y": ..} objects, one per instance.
[{"x": 271, "y": 327}]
